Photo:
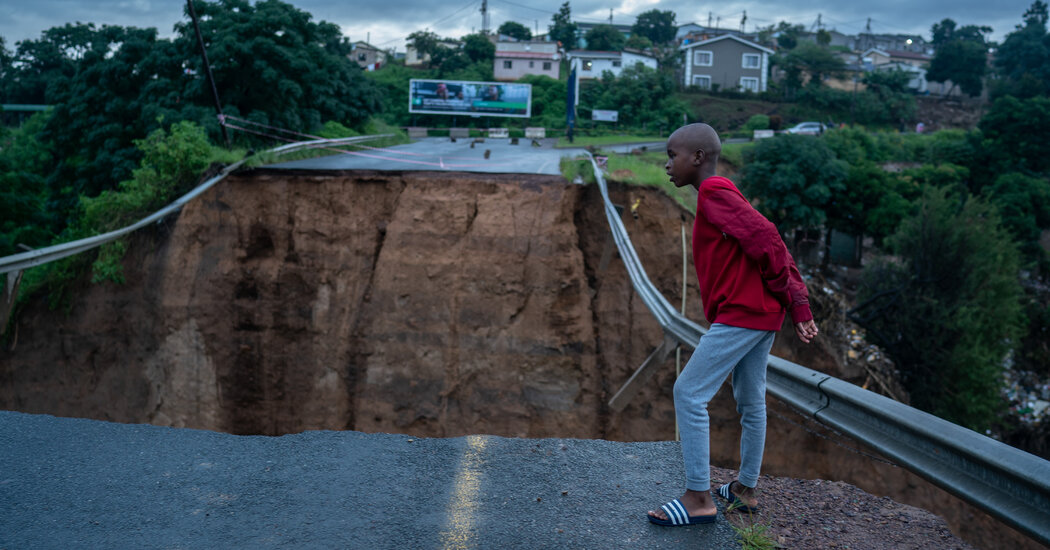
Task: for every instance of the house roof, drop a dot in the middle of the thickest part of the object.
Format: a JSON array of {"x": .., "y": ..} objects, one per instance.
[
  {"x": 364, "y": 45},
  {"x": 726, "y": 37},
  {"x": 877, "y": 51},
  {"x": 617, "y": 26},
  {"x": 599, "y": 54},
  {"x": 904, "y": 54},
  {"x": 528, "y": 55}
]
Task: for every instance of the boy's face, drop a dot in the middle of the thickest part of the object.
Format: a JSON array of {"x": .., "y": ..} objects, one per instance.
[{"x": 681, "y": 163}]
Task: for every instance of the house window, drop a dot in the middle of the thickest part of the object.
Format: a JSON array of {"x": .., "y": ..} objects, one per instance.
[
  {"x": 507, "y": 64},
  {"x": 752, "y": 61},
  {"x": 616, "y": 63},
  {"x": 362, "y": 57},
  {"x": 749, "y": 84},
  {"x": 532, "y": 64},
  {"x": 546, "y": 65},
  {"x": 587, "y": 64},
  {"x": 703, "y": 58},
  {"x": 702, "y": 81}
]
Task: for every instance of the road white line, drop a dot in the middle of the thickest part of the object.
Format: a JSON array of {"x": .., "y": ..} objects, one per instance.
[{"x": 461, "y": 514}]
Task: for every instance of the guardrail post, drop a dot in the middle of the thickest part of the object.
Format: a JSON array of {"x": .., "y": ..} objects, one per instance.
[
  {"x": 10, "y": 294},
  {"x": 643, "y": 374}
]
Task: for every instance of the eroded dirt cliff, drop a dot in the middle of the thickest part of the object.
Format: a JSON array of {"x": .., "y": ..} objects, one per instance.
[{"x": 433, "y": 304}]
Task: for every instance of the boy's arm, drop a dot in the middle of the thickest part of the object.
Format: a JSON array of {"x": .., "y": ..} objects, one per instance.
[{"x": 760, "y": 240}]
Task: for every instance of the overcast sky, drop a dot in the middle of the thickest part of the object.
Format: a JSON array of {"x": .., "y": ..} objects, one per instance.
[{"x": 386, "y": 23}]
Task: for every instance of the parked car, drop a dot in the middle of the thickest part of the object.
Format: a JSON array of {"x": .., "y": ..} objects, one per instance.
[{"x": 807, "y": 128}]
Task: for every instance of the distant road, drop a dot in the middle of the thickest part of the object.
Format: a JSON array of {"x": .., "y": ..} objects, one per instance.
[
  {"x": 74, "y": 483},
  {"x": 444, "y": 154}
]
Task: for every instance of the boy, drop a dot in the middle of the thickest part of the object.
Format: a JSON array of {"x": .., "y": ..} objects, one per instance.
[{"x": 748, "y": 281}]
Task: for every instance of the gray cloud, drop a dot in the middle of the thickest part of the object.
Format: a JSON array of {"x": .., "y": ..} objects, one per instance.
[{"x": 387, "y": 23}]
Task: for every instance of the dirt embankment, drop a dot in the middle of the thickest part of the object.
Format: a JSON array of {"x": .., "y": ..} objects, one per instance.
[{"x": 432, "y": 304}]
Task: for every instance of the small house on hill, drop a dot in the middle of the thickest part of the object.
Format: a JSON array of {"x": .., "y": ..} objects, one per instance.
[
  {"x": 515, "y": 59},
  {"x": 591, "y": 64},
  {"x": 726, "y": 62}
]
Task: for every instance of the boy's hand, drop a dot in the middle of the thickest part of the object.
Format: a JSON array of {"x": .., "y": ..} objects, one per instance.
[{"x": 806, "y": 331}]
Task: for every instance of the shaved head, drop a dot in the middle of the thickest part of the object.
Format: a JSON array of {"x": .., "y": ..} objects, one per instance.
[
  {"x": 692, "y": 154},
  {"x": 698, "y": 136}
]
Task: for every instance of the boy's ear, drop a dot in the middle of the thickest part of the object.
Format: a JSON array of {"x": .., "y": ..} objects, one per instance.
[{"x": 699, "y": 156}]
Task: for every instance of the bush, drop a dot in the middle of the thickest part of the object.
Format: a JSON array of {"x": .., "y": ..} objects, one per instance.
[
  {"x": 756, "y": 122},
  {"x": 950, "y": 312}
]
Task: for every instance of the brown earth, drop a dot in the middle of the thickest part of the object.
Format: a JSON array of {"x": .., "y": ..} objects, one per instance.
[{"x": 432, "y": 304}]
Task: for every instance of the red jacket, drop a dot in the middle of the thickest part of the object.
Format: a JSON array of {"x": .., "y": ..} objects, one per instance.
[{"x": 747, "y": 276}]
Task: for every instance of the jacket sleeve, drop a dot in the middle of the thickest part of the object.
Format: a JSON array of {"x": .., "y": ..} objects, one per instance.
[{"x": 760, "y": 240}]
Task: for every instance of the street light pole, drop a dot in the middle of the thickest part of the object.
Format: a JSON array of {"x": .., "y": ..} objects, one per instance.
[{"x": 207, "y": 73}]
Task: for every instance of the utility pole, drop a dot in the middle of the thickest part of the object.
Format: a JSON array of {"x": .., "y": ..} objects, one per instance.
[
  {"x": 710, "y": 15},
  {"x": 743, "y": 21},
  {"x": 610, "y": 16},
  {"x": 207, "y": 72},
  {"x": 484, "y": 16}
]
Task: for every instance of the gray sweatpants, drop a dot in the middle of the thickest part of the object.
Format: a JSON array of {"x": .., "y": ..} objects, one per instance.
[{"x": 724, "y": 349}]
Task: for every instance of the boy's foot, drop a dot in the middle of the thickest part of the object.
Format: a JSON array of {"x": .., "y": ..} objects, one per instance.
[
  {"x": 696, "y": 504},
  {"x": 739, "y": 496}
]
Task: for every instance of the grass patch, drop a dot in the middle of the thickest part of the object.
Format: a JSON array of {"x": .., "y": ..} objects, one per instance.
[
  {"x": 733, "y": 153},
  {"x": 577, "y": 167},
  {"x": 753, "y": 536},
  {"x": 647, "y": 169},
  {"x": 597, "y": 141},
  {"x": 375, "y": 127},
  {"x": 643, "y": 170}
]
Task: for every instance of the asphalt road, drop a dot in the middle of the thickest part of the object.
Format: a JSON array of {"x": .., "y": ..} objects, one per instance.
[
  {"x": 458, "y": 156},
  {"x": 445, "y": 154},
  {"x": 74, "y": 483}
]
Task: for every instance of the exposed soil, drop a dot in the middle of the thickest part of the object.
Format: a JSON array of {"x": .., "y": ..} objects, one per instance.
[
  {"x": 819, "y": 514},
  {"x": 437, "y": 305}
]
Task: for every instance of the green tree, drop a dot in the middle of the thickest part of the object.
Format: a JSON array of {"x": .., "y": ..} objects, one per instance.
[
  {"x": 794, "y": 178},
  {"x": 425, "y": 43},
  {"x": 950, "y": 311},
  {"x": 638, "y": 42},
  {"x": 562, "y": 29},
  {"x": 1017, "y": 130},
  {"x": 807, "y": 58},
  {"x": 1023, "y": 59},
  {"x": 644, "y": 98},
  {"x": 605, "y": 38},
  {"x": 891, "y": 92},
  {"x": 656, "y": 25},
  {"x": 1024, "y": 205},
  {"x": 787, "y": 34},
  {"x": 872, "y": 202},
  {"x": 24, "y": 162},
  {"x": 515, "y": 30},
  {"x": 478, "y": 48},
  {"x": 548, "y": 100},
  {"x": 961, "y": 56}
]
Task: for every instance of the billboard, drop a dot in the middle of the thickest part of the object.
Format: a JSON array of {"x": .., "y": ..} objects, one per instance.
[
  {"x": 607, "y": 116},
  {"x": 458, "y": 97}
]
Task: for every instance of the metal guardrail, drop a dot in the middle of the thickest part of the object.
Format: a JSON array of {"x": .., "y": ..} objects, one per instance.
[
  {"x": 25, "y": 260},
  {"x": 1007, "y": 483}
]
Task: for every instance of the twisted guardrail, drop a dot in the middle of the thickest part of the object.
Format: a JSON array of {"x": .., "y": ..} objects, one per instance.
[
  {"x": 25, "y": 260},
  {"x": 1007, "y": 483}
]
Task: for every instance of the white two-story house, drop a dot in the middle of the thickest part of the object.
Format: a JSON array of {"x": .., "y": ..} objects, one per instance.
[{"x": 591, "y": 64}]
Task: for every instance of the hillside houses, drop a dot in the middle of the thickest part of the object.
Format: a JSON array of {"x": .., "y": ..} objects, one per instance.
[{"x": 712, "y": 57}]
